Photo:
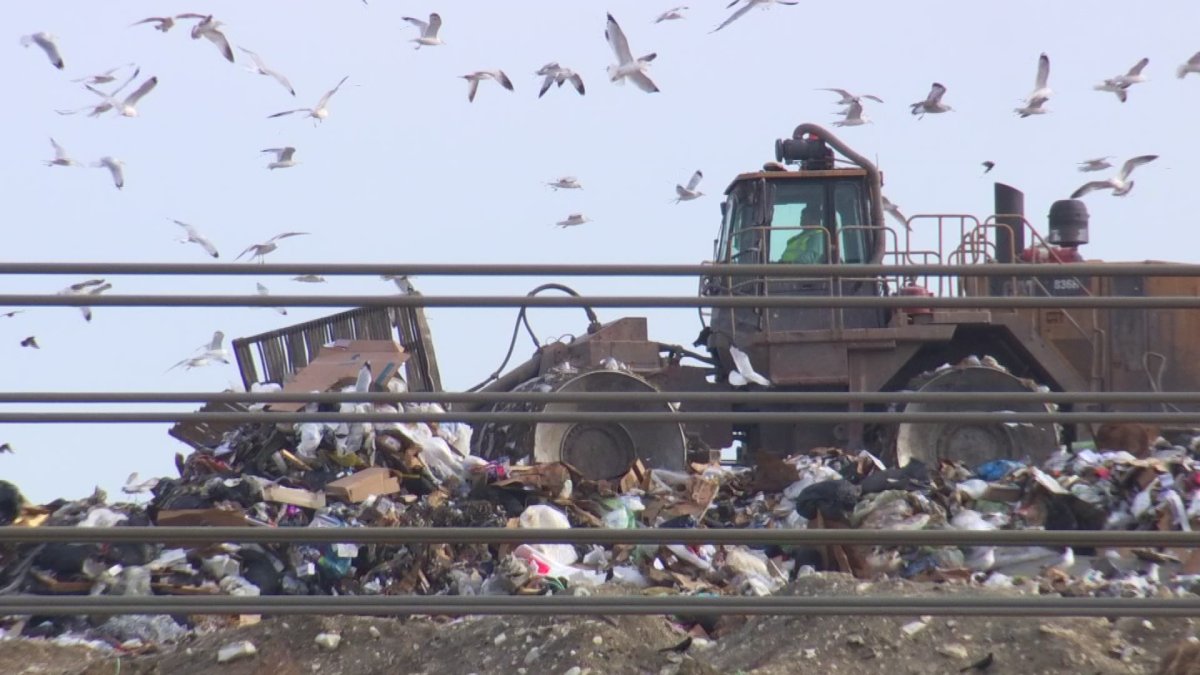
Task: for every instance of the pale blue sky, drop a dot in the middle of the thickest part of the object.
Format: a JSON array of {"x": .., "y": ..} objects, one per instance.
[{"x": 406, "y": 170}]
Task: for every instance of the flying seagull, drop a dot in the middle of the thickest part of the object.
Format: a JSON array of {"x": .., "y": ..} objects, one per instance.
[
  {"x": 47, "y": 42},
  {"x": 261, "y": 68},
  {"x": 894, "y": 211},
  {"x": 309, "y": 278},
  {"x": 161, "y": 23},
  {"x": 1119, "y": 184},
  {"x": 61, "y": 158},
  {"x": 134, "y": 487},
  {"x": 743, "y": 372},
  {"x": 126, "y": 108},
  {"x": 429, "y": 30},
  {"x": 9, "y": 315},
  {"x": 283, "y": 157},
  {"x": 572, "y": 220},
  {"x": 109, "y": 99},
  {"x": 988, "y": 166},
  {"x": 102, "y": 78},
  {"x": 555, "y": 74},
  {"x": 480, "y": 75},
  {"x": 1191, "y": 66},
  {"x": 403, "y": 284},
  {"x": 1120, "y": 84},
  {"x": 687, "y": 194},
  {"x": 765, "y": 4},
  {"x": 1041, "y": 87},
  {"x": 853, "y": 116},
  {"x": 262, "y": 290},
  {"x": 194, "y": 237},
  {"x": 89, "y": 287},
  {"x": 115, "y": 166},
  {"x": 671, "y": 14},
  {"x": 932, "y": 103},
  {"x": 848, "y": 98},
  {"x": 627, "y": 67},
  {"x": 261, "y": 250},
  {"x": 566, "y": 183},
  {"x": 30, "y": 341},
  {"x": 213, "y": 353},
  {"x": 210, "y": 30},
  {"x": 1098, "y": 164},
  {"x": 321, "y": 111},
  {"x": 1032, "y": 107}
]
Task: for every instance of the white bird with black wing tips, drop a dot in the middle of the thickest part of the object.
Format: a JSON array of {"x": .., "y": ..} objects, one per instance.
[
  {"x": 750, "y": 4},
  {"x": 1041, "y": 90},
  {"x": 126, "y": 107},
  {"x": 1097, "y": 164},
  {"x": 566, "y": 183},
  {"x": 673, "y": 14},
  {"x": 853, "y": 116},
  {"x": 1192, "y": 65},
  {"x": 626, "y": 66},
  {"x": 161, "y": 23},
  {"x": 214, "y": 352},
  {"x": 1119, "y": 184},
  {"x": 115, "y": 166},
  {"x": 89, "y": 287},
  {"x": 61, "y": 158},
  {"x": 429, "y": 30},
  {"x": 194, "y": 237},
  {"x": 210, "y": 30},
  {"x": 133, "y": 486},
  {"x": 689, "y": 192},
  {"x": 283, "y": 157},
  {"x": 261, "y": 250},
  {"x": 260, "y": 67},
  {"x": 262, "y": 290},
  {"x": 848, "y": 98},
  {"x": 932, "y": 103},
  {"x": 480, "y": 75},
  {"x": 555, "y": 74},
  {"x": 48, "y": 44},
  {"x": 572, "y": 220},
  {"x": 743, "y": 372},
  {"x": 321, "y": 111},
  {"x": 894, "y": 211},
  {"x": 1120, "y": 84}
]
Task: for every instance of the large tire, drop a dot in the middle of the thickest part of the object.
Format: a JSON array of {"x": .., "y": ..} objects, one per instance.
[{"x": 971, "y": 443}]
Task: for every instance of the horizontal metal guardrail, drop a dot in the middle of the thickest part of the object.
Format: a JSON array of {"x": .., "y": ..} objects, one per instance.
[{"x": 636, "y": 270}]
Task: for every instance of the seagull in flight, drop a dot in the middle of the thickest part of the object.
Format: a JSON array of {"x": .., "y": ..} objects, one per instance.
[
  {"x": 566, "y": 183},
  {"x": 126, "y": 108},
  {"x": 260, "y": 67},
  {"x": 89, "y": 287},
  {"x": 403, "y": 284},
  {"x": 429, "y": 30},
  {"x": 1032, "y": 107},
  {"x": 765, "y": 4},
  {"x": 30, "y": 341},
  {"x": 1120, "y": 84},
  {"x": 109, "y": 99},
  {"x": 480, "y": 75},
  {"x": 848, "y": 98},
  {"x": 688, "y": 193},
  {"x": 213, "y": 353},
  {"x": 262, "y": 290},
  {"x": 573, "y": 220},
  {"x": 115, "y": 166},
  {"x": 743, "y": 372},
  {"x": 1097, "y": 164},
  {"x": 309, "y": 278},
  {"x": 194, "y": 237},
  {"x": 260, "y": 251},
  {"x": 61, "y": 158},
  {"x": 1119, "y": 184},
  {"x": 627, "y": 67},
  {"x": 1191, "y": 66},
  {"x": 1041, "y": 90},
  {"x": 671, "y": 14},
  {"x": 210, "y": 30},
  {"x": 988, "y": 166},
  {"x": 9, "y": 315},
  {"x": 853, "y": 116},
  {"x": 133, "y": 487},
  {"x": 894, "y": 211},
  {"x": 161, "y": 23},
  {"x": 47, "y": 42},
  {"x": 321, "y": 111},
  {"x": 556, "y": 74},
  {"x": 932, "y": 103},
  {"x": 283, "y": 157},
  {"x": 102, "y": 78}
]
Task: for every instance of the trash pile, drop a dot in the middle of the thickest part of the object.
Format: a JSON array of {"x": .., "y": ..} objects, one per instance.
[{"x": 423, "y": 475}]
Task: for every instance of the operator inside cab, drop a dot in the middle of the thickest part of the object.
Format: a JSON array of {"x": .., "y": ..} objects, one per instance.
[{"x": 808, "y": 246}]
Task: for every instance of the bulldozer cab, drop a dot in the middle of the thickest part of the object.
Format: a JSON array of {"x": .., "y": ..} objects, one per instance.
[{"x": 818, "y": 213}]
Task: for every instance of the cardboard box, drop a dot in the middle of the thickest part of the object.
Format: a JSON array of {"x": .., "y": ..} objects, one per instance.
[
  {"x": 201, "y": 517},
  {"x": 355, "y": 488},
  {"x": 294, "y": 496},
  {"x": 339, "y": 362}
]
